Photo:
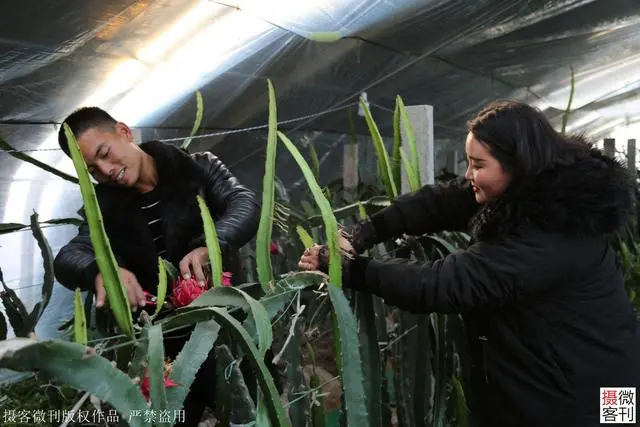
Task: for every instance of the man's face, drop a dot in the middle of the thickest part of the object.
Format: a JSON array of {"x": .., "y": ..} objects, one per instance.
[{"x": 111, "y": 155}]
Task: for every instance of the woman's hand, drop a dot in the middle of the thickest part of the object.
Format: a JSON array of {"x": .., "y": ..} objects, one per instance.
[
  {"x": 312, "y": 260},
  {"x": 317, "y": 256}
]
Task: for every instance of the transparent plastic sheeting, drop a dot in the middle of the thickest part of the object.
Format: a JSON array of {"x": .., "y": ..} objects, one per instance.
[{"x": 143, "y": 61}]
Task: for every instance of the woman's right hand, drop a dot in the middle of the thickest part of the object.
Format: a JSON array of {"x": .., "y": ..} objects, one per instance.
[
  {"x": 361, "y": 236},
  {"x": 317, "y": 256},
  {"x": 311, "y": 259}
]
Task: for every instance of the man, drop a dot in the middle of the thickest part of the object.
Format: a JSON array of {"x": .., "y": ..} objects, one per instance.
[{"x": 147, "y": 196}]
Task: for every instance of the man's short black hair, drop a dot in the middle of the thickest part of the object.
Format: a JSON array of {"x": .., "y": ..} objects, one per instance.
[{"x": 82, "y": 120}]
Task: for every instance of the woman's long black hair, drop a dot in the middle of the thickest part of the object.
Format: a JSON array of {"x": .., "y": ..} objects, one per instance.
[{"x": 521, "y": 138}]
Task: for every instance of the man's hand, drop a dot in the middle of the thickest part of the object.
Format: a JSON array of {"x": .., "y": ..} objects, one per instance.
[
  {"x": 134, "y": 290},
  {"x": 193, "y": 264}
]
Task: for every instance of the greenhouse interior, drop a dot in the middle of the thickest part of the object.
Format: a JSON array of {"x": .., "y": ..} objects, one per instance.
[{"x": 373, "y": 219}]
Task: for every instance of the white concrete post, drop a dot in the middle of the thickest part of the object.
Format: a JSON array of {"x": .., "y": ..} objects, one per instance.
[
  {"x": 421, "y": 117},
  {"x": 137, "y": 135},
  {"x": 610, "y": 147},
  {"x": 631, "y": 156},
  {"x": 453, "y": 162},
  {"x": 350, "y": 171}
]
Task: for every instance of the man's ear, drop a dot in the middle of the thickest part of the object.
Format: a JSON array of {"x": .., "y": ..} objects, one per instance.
[{"x": 124, "y": 130}]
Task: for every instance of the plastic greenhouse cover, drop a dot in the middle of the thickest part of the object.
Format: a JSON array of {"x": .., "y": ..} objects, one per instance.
[{"x": 144, "y": 60}]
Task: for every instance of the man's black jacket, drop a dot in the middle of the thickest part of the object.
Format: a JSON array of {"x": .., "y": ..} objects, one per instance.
[{"x": 181, "y": 177}]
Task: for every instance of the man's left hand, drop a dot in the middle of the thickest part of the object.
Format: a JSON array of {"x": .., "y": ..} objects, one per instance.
[{"x": 193, "y": 264}]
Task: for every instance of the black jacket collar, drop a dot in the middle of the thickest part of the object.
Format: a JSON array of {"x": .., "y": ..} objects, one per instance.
[
  {"x": 176, "y": 171},
  {"x": 175, "y": 166}
]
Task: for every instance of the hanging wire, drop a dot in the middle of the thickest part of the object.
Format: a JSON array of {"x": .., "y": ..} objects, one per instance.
[
  {"x": 31, "y": 150},
  {"x": 258, "y": 127},
  {"x": 218, "y": 133}
]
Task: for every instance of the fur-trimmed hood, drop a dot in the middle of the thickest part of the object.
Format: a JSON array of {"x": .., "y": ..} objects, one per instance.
[{"x": 587, "y": 198}]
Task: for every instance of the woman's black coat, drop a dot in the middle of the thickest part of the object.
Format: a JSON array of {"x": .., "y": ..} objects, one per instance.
[
  {"x": 540, "y": 289},
  {"x": 181, "y": 177}
]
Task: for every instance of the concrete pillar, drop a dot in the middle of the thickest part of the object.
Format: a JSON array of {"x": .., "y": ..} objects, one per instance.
[
  {"x": 350, "y": 171},
  {"x": 610, "y": 147},
  {"x": 631, "y": 156},
  {"x": 421, "y": 117}
]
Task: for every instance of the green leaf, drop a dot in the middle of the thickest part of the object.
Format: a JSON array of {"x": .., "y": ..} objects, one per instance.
[
  {"x": 3, "y": 327},
  {"x": 79, "y": 319},
  {"x": 412, "y": 175},
  {"x": 263, "y": 239},
  {"x": 10, "y": 227},
  {"x": 386, "y": 373},
  {"x": 330, "y": 223},
  {"x": 188, "y": 362},
  {"x": 420, "y": 372},
  {"x": 107, "y": 264},
  {"x": 397, "y": 143},
  {"x": 439, "y": 369},
  {"x": 381, "y": 152},
  {"x": 196, "y": 123},
  {"x": 315, "y": 163},
  {"x": 262, "y": 416},
  {"x": 402, "y": 374},
  {"x": 446, "y": 247},
  {"x": 298, "y": 408},
  {"x": 287, "y": 287},
  {"x": 318, "y": 418},
  {"x": 243, "y": 409},
  {"x": 47, "y": 262},
  {"x": 64, "y": 221},
  {"x": 15, "y": 310},
  {"x": 162, "y": 286},
  {"x": 231, "y": 296},
  {"x": 324, "y": 36},
  {"x": 270, "y": 395},
  {"x": 79, "y": 367},
  {"x": 88, "y": 304},
  {"x": 155, "y": 357},
  {"x": 362, "y": 212},
  {"x": 223, "y": 392},
  {"x": 139, "y": 363},
  {"x": 462, "y": 412},
  {"x": 255, "y": 357},
  {"x": 170, "y": 269},
  {"x": 349, "y": 359},
  {"x": 213, "y": 246},
  {"x": 26, "y": 158},
  {"x": 411, "y": 137},
  {"x": 371, "y": 361},
  {"x": 305, "y": 238}
]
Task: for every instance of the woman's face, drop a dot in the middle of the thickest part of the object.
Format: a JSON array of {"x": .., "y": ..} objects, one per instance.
[{"x": 485, "y": 173}]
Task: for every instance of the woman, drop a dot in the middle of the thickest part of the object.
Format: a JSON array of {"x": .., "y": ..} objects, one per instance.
[{"x": 547, "y": 316}]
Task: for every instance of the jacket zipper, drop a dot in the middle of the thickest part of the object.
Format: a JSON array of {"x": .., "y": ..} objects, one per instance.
[{"x": 483, "y": 339}]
